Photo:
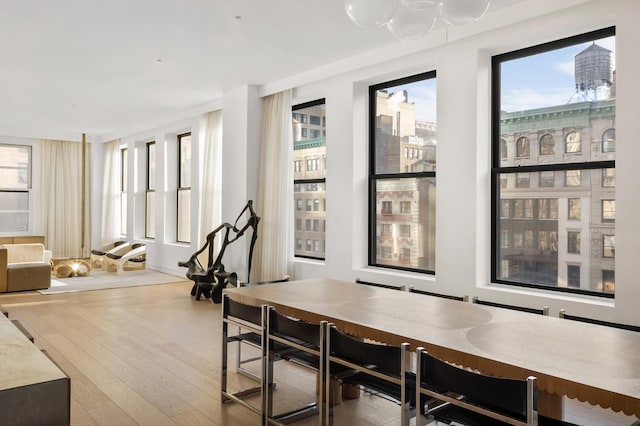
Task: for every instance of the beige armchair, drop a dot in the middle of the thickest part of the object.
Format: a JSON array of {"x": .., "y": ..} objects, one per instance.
[{"x": 24, "y": 267}]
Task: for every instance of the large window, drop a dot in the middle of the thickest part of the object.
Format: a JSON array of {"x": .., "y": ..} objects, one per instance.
[
  {"x": 402, "y": 189},
  {"x": 15, "y": 184},
  {"x": 309, "y": 152},
  {"x": 150, "y": 215},
  {"x": 184, "y": 188},
  {"x": 123, "y": 189},
  {"x": 535, "y": 101}
]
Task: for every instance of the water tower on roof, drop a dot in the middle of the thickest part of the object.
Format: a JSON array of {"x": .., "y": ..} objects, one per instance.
[{"x": 593, "y": 68}]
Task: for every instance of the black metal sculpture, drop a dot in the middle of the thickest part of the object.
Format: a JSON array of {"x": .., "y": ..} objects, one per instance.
[{"x": 210, "y": 281}]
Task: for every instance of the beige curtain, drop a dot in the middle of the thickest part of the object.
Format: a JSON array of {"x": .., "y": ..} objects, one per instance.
[
  {"x": 110, "y": 229},
  {"x": 211, "y": 188},
  {"x": 275, "y": 190},
  {"x": 60, "y": 197}
]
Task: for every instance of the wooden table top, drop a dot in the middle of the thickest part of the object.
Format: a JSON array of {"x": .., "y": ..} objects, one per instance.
[
  {"x": 590, "y": 362},
  {"x": 21, "y": 362}
]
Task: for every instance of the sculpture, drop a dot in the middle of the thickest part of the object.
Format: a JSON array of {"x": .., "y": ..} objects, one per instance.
[{"x": 211, "y": 280}]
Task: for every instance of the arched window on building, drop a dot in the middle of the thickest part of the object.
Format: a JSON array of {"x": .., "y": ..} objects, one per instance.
[
  {"x": 547, "y": 144},
  {"x": 503, "y": 149},
  {"x": 609, "y": 140},
  {"x": 573, "y": 143},
  {"x": 523, "y": 148}
]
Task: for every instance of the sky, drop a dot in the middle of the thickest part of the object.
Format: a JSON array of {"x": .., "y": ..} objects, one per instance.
[{"x": 536, "y": 81}]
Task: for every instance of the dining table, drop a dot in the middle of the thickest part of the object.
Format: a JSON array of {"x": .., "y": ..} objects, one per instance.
[{"x": 593, "y": 363}]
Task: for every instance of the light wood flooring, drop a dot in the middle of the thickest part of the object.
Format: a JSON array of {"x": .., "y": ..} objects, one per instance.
[{"x": 151, "y": 356}]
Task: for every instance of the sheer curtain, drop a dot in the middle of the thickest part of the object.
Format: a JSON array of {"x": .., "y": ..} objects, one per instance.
[
  {"x": 110, "y": 229},
  {"x": 60, "y": 197},
  {"x": 211, "y": 188},
  {"x": 275, "y": 190}
]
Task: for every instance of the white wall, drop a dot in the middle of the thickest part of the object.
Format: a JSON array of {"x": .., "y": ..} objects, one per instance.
[{"x": 461, "y": 58}]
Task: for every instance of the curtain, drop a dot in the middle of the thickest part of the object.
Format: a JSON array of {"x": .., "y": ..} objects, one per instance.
[
  {"x": 275, "y": 190},
  {"x": 211, "y": 188},
  {"x": 60, "y": 197},
  {"x": 110, "y": 229}
]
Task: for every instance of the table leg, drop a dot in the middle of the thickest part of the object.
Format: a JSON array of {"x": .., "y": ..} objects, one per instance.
[{"x": 550, "y": 405}]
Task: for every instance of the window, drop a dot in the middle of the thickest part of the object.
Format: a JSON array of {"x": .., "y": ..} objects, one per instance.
[
  {"x": 574, "y": 209},
  {"x": 573, "y": 143},
  {"x": 150, "y": 201},
  {"x": 522, "y": 180},
  {"x": 579, "y": 180},
  {"x": 608, "y": 210},
  {"x": 609, "y": 246},
  {"x": 310, "y": 179},
  {"x": 402, "y": 170},
  {"x": 523, "y": 148},
  {"x": 608, "y": 281},
  {"x": 15, "y": 185},
  {"x": 505, "y": 207},
  {"x": 609, "y": 140},
  {"x": 547, "y": 144},
  {"x": 504, "y": 152},
  {"x": 184, "y": 188},
  {"x": 298, "y": 224},
  {"x": 573, "y": 242},
  {"x": 573, "y": 276},
  {"x": 608, "y": 178},
  {"x": 546, "y": 180},
  {"x": 405, "y": 231},
  {"x": 573, "y": 178},
  {"x": 123, "y": 190}
]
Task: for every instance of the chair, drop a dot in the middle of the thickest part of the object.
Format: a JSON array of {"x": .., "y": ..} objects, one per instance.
[
  {"x": 563, "y": 314},
  {"x": 239, "y": 360},
  {"x": 126, "y": 258},
  {"x": 307, "y": 343},
  {"x": 412, "y": 289},
  {"x": 383, "y": 369},
  {"x": 543, "y": 311},
  {"x": 471, "y": 398},
  {"x": 250, "y": 322},
  {"x": 389, "y": 286},
  {"x": 251, "y": 326},
  {"x": 97, "y": 255}
]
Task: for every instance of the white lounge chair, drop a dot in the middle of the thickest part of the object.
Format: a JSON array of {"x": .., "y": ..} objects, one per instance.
[
  {"x": 126, "y": 259},
  {"x": 96, "y": 258}
]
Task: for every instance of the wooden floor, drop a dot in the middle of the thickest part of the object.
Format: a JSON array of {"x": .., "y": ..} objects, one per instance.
[{"x": 151, "y": 356}]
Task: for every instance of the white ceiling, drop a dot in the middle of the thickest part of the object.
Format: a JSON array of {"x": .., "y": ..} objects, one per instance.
[{"x": 101, "y": 66}]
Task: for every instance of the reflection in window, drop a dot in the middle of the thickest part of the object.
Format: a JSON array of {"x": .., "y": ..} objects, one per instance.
[
  {"x": 546, "y": 179},
  {"x": 573, "y": 242},
  {"x": 609, "y": 140},
  {"x": 503, "y": 149},
  {"x": 523, "y": 148},
  {"x": 574, "y": 208},
  {"x": 608, "y": 178},
  {"x": 573, "y": 178},
  {"x": 609, "y": 246},
  {"x": 547, "y": 144},
  {"x": 608, "y": 210},
  {"x": 573, "y": 143}
]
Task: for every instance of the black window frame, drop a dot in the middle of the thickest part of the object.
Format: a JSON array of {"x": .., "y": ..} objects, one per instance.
[
  {"x": 302, "y": 118},
  {"x": 375, "y": 177},
  {"x": 497, "y": 170},
  {"x": 181, "y": 188},
  {"x": 149, "y": 189}
]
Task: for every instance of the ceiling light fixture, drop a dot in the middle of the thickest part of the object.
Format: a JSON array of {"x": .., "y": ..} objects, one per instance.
[{"x": 413, "y": 19}]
